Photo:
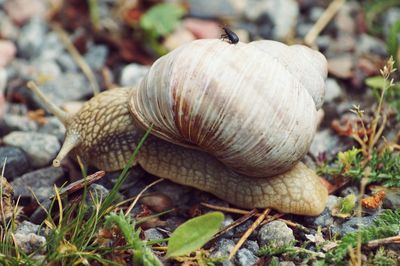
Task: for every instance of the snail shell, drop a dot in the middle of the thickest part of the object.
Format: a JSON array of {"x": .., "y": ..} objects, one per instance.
[{"x": 252, "y": 106}]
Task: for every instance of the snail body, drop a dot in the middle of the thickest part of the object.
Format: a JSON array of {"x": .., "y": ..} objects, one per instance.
[{"x": 233, "y": 120}]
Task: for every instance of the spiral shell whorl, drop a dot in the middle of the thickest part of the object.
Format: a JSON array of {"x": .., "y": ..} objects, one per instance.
[{"x": 236, "y": 102}]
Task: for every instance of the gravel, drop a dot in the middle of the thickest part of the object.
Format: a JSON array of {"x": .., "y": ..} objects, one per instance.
[{"x": 276, "y": 232}]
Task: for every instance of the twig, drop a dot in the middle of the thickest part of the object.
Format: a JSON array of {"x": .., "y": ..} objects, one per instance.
[
  {"x": 248, "y": 232},
  {"x": 325, "y": 18},
  {"x": 225, "y": 209},
  {"x": 383, "y": 241},
  {"x": 140, "y": 194},
  {"x": 237, "y": 222},
  {"x": 78, "y": 58}
]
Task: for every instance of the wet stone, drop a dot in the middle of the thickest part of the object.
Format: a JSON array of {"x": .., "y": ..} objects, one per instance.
[
  {"x": 53, "y": 127},
  {"x": 96, "y": 56},
  {"x": 152, "y": 234},
  {"x": 30, "y": 243},
  {"x": 40, "y": 182},
  {"x": 31, "y": 38},
  {"x": 40, "y": 148},
  {"x": 275, "y": 232},
  {"x": 252, "y": 246},
  {"x": 16, "y": 162}
]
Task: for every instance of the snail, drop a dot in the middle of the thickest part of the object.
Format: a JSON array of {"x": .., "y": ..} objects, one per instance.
[{"x": 232, "y": 120}]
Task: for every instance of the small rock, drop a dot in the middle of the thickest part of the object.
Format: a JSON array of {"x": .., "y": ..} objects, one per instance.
[
  {"x": 31, "y": 38},
  {"x": 22, "y": 10},
  {"x": 275, "y": 232},
  {"x": 355, "y": 224},
  {"x": 18, "y": 123},
  {"x": 40, "y": 182},
  {"x": 332, "y": 91},
  {"x": 316, "y": 12},
  {"x": 157, "y": 202},
  {"x": 52, "y": 47},
  {"x": 17, "y": 162},
  {"x": 213, "y": 9},
  {"x": 132, "y": 74},
  {"x": 252, "y": 246},
  {"x": 180, "y": 36},
  {"x": 391, "y": 16},
  {"x": 324, "y": 141},
  {"x": 341, "y": 67},
  {"x": 7, "y": 52},
  {"x": 203, "y": 29},
  {"x": 97, "y": 192},
  {"x": 30, "y": 243},
  {"x": 344, "y": 19},
  {"x": 177, "y": 193},
  {"x": 349, "y": 190},
  {"x": 67, "y": 63},
  {"x": 53, "y": 127},
  {"x": 228, "y": 220},
  {"x": 96, "y": 56},
  {"x": 245, "y": 257},
  {"x": 222, "y": 249},
  {"x": 40, "y": 148},
  {"x": 69, "y": 86},
  {"x": 152, "y": 234},
  {"x": 368, "y": 44},
  {"x": 8, "y": 30},
  {"x": 241, "y": 229},
  {"x": 27, "y": 227}
]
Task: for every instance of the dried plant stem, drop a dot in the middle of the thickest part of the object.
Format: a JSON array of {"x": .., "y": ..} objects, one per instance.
[
  {"x": 383, "y": 241},
  {"x": 325, "y": 18},
  {"x": 237, "y": 222},
  {"x": 248, "y": 232},
  {"x": 78, "y": 58},
  {"x": 140, "y": 194},
  {"x": 225, "y": 209}
]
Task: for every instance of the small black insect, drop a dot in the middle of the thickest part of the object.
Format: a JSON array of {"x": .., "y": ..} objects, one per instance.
[{"x": 230, "y": 35}]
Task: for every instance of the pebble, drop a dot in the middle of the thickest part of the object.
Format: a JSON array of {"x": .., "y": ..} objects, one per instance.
[
  {"x": 391, "y": 16},
  {"x": 13, "y": 122},
  {"x": 40, "y": 148},
  {"x": 52, "y": 47},
  {"x": 332, "y": 91},
  {"x": 16, "y": 162},
  {"x": 31, "y": 38},
  {"x": 177, "y": 193},
  {"x": 29, "y": 243},
  {"x": 53, "y": 127},
  {"x": 341, "y": 66},
  {"x": 241, "y": 229},
  {"x": 96, "y": 56},
  {"x": 180, "y": 36},
  {"x": 325, "y": 219},
  {"x": 245, "y": 257},
  {"x": 132, "y": 74},
  {"x": 7, "y": 52},
  {"x": 368, "y": 44},
  {"x": 69, "y": 86},
  {"x": 228, "y": 220},
  {"x": 324, "y": 141},
  {"x": 275, "y": 232},
  {"x": 97, "y": 192},
  {"x": 40, "y": 182},
  {"x": 212, "y": 9},
  {"x": 252, "y": 246},
  {"x": 354, "y": 224},
  {"x": 21, "y": 11},
  {"x": 7, "y": 28},
  {"x": 282, "y": 13},
  {"x": 222, "y": 249},
  {"x": 152, "y": 234},
  {"x": 27, "y": 227}
]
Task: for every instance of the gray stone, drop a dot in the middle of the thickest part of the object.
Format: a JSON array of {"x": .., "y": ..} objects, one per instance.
[
  {"x": 69, "y": 86},
  {"x": 252, "y": 246},
  {"x": 349, "y": 190},
  {"x": 27, "y": 227},
  {"x": 40, "y": 148},
  {"x": 222, "y": 248},
  {"x": 152, "y": 234},
  {"x": 19, "y": 123},
  {"x": 392, "y": 16},
  {"x": 245, "y": 257},
  {"x": 324, "y": 141},
  {"x": 239, "y": 230},
  {"x": 40, "y": 182},
  {"x": 354, "y": 224},
  {"x": 212, "y": 9},
  {"x": 132, "y": 74},
  {"x": 177, "y": 193},
  {"x": 96, "y": 56},
  {"x": 228, "y": 220},
  {"x": 97, "y": 192},
  {"x": 46, "y": 68},
  {"x": 16, "y": 162},
  {"x": 53, "y": 127},
  {"x": 31, "y": 38},
  {"x": 52, "y": 47},
  {"x": 316, "y": 12},
  {"x": 67, "y": 63},
  {"x": 275, "y": 232},
  {"x": 30, "y": 243},
  {"x": 8, "y": 30},
  {"x": 283, "y": 14},
  {"x": 332, "y": 90},
  {"x": 368, "y": 44}
]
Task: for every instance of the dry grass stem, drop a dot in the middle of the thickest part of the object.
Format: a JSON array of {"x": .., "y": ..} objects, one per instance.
[
  {"x": 325, "y": 18},
  {"x": 87, "y": 71},
  {"x": 237, "y": 222},
  {"x": 383, "y": 241},
  {"x": 248, "y": 232}
]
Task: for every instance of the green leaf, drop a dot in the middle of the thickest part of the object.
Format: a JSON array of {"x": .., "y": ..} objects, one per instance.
[
  {"x": 161, "y": 19},
  {"x": 377, "y": 82},
  {"x": 193, "y": 234}
]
